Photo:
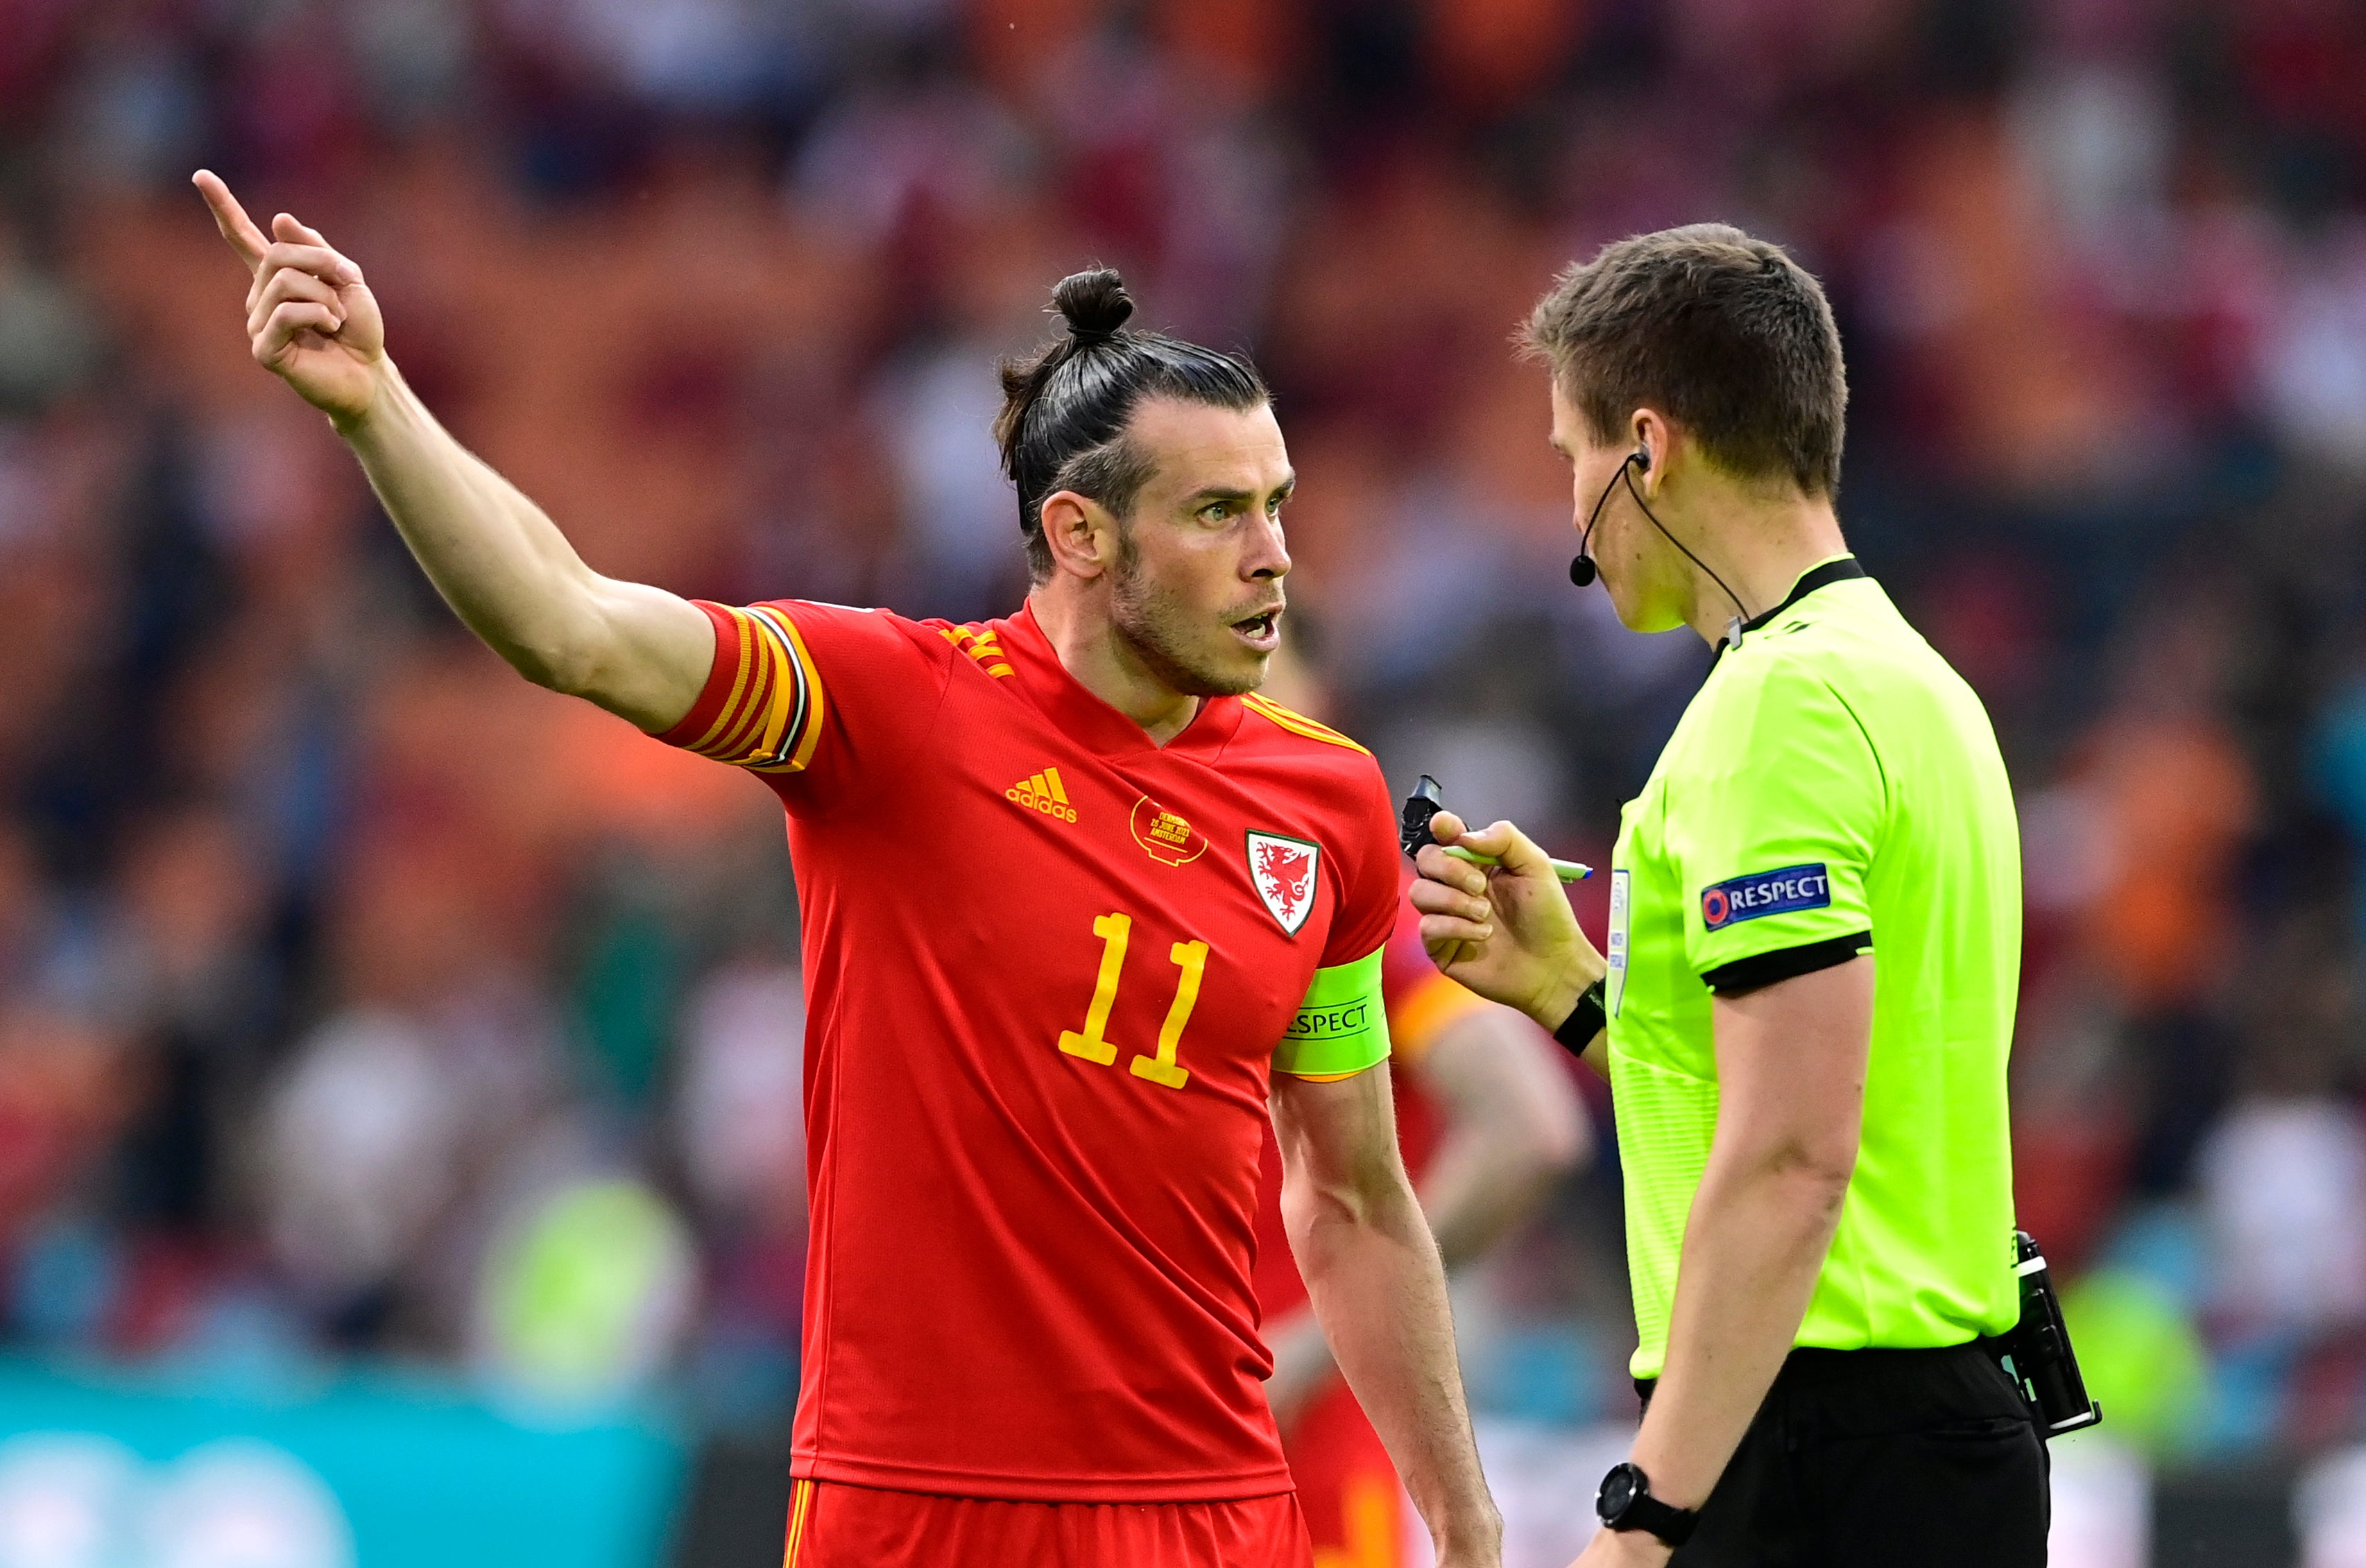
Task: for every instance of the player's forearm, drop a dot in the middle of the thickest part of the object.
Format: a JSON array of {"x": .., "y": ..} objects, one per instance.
[
  {"x": 1372, "y": 1269},
  {"x": 1759, "y": 1228},
  {"x": 1478, "y": 1188},
  {"x": 513, "y": 577},
  {"x": 1513, "y": 1127},
  {"x": 502, "y": 564}
]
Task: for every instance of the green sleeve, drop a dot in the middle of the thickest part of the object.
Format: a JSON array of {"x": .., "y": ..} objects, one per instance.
[
  {"x": 1342, "y": 1028},
  {"x": 1776, "y": 844}
]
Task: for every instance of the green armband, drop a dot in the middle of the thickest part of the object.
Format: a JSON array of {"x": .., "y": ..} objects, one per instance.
[{"x": 1342, "y": 1026}]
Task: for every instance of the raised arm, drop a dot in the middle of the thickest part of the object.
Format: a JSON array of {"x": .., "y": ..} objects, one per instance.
[{"x": 496, "y": 558}]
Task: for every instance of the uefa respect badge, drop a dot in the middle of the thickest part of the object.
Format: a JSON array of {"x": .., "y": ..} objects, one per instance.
[{"x": 1763, "y": 893}]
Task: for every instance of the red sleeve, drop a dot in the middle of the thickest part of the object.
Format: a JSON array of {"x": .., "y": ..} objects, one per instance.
[
  {"x": 1367, "y": 872},
  {"x": 811, "y": 695}
]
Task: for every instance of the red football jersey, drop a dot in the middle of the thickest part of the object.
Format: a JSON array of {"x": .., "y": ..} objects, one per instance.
[{"x": 1048, "y": 967}]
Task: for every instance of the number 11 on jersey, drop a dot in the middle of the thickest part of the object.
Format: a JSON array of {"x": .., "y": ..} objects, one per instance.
[{"x": 1116, "y": 931}]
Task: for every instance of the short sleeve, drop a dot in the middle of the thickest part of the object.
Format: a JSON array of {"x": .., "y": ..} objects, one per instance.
[
  {"x": 1342, "y": 1026},
  {"x": 1774, "y": 848},
  {"x": 813, "y": 696},
  {"x": 1368, "y": 866}
]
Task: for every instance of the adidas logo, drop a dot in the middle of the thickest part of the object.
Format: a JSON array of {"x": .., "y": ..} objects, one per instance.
[{"x": 1042, "y": 793}]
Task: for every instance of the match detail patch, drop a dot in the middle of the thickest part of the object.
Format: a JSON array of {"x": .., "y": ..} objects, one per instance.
[
  {"x": 1166, "y": 836},
  {"x": 1765, "y": 893}
]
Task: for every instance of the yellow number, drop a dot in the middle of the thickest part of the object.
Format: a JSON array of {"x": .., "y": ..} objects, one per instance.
[
  {"x": 1115, "y": 931},
  {"x": 1192, "y": 959}
]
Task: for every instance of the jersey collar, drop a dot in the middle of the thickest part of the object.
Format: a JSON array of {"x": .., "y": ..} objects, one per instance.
[
  {"x": 1093, "y": 723},
  {"x": 1839, "y": 568}
]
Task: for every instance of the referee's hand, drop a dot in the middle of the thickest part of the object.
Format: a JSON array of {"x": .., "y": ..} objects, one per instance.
[{"x": 1506, "y": 930}]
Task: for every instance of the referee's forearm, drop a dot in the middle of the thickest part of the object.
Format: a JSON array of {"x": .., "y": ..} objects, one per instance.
[
  {"x": 1373, "y": 1274},
  {"x": 1757, "y": 1238}
]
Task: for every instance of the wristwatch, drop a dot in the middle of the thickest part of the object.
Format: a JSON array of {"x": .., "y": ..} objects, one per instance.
[
  {"x": 1626, "y": 1503},
  {"x": 1584, "y": 1020}
]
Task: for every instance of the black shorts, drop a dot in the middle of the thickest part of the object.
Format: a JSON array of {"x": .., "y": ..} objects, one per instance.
[{"x": 1880, "y": 1459}]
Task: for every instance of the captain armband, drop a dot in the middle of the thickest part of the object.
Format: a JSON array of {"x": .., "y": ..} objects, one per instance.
[{"x": 1342, "y": 1028}]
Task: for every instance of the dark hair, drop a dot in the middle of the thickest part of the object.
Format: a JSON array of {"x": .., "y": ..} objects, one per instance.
[
  {"x": 1725, "y": 334},
  {"x": 1065, "y": 409}
]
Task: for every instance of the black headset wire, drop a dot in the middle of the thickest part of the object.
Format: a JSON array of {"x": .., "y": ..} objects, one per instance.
[
  {"x": 1583, "y": 571},
  {"x": 1641, "y": 459}
]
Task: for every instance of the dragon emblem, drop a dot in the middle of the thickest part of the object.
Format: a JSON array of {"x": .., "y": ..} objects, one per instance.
[{"x": 1283, "y": 870}]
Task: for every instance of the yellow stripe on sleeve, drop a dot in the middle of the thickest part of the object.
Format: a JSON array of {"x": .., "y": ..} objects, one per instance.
[
  {"x": 771, "y": 720},
  {"x": 810, "y": 728},
  {"x": 1297, "y": 724},
  {"x": 742, "y": 667}
]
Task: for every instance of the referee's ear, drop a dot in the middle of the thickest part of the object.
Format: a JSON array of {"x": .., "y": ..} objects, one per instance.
[{"x": 1652, "y": 442}]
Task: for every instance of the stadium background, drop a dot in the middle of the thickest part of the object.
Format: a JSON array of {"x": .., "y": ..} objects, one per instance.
[{"x": 398, "y": 1151}]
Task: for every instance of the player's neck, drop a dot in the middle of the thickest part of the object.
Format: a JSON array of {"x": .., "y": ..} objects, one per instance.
[
  {"x": 1083, "y": 634},
  {"x": 1761, "y": 547}
]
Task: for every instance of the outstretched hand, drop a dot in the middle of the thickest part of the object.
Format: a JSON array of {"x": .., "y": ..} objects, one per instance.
[
  {"x": 310, "y": 319},
  {"x": 1506, "y": 930}
]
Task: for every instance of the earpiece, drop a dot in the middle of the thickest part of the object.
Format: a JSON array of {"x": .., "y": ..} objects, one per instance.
[{"x": 1583, "y": 571}]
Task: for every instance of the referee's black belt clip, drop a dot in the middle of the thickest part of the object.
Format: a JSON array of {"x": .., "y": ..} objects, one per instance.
[{"x": 2037, "y": 1355}]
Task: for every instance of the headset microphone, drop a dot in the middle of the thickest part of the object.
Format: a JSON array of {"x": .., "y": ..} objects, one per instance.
[{"x": 1583, "y": 571}]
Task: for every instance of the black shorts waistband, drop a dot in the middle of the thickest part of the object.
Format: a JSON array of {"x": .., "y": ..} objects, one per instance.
[{"x": 1813, "y": 1367}]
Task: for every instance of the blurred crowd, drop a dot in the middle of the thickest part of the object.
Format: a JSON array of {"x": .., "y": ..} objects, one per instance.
[{"x": 357, "y": 999}]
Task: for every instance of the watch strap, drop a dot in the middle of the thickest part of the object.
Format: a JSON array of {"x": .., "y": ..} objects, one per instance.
[
  {"x": 1672, "y": 1524},
  {"x": 1584, "y": 1020},
  {"x": 1648, "y": 1514}
]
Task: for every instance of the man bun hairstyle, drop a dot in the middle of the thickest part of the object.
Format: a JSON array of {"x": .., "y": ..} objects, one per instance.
[
  {"x": 1725, "y": 334},
  {"x": 1095, "y": 304},
  {"x": 1064, "y": 407}
]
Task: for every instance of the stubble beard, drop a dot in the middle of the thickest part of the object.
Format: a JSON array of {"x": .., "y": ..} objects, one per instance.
[{"x": 1160, "y": 633}]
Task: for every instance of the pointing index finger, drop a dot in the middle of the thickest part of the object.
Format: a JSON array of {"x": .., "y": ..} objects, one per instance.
[{"x": 229, "y": 218}]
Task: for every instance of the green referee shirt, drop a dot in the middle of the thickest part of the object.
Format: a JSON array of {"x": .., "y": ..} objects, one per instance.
[{"x": 1834, "y": 788}]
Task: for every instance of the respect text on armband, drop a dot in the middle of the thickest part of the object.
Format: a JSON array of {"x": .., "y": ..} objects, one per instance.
[
  {"x": 1765, "y": 893},
  {"x": 1343, "y": 1021}
]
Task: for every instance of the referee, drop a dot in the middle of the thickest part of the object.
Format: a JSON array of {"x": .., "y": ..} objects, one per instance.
[{"x": 1814, "y": 942}]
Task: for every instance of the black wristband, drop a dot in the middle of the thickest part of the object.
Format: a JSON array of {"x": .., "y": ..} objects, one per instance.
[{"x": 1584, "y": 1020}]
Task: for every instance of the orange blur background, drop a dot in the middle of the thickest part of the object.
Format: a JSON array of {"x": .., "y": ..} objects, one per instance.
[{"x": 340, "y": 968}]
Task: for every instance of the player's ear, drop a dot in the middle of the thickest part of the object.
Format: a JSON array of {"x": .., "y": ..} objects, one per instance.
[{"x": 1080, "y": 533}]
